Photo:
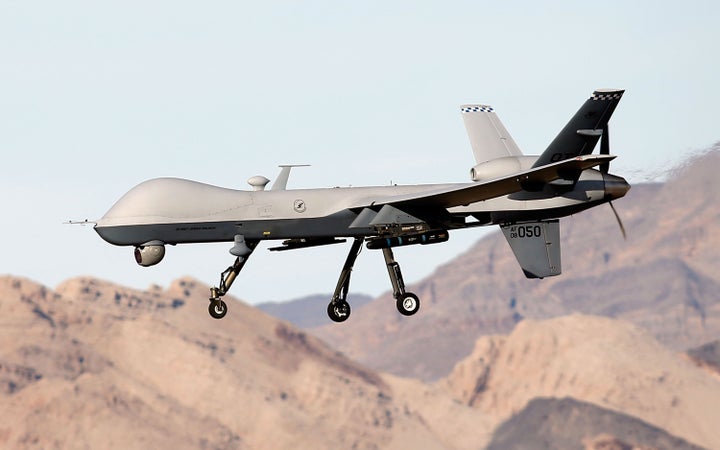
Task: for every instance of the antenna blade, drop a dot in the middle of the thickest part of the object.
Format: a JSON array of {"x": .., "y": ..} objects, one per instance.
[
  {"x": 605, "y": 148},
  {"x": 280, "y": 183}
]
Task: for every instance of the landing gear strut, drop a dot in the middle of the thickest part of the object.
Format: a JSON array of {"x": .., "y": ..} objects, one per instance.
[
  {"x": 406, "y": 302},
  {"x": 339, "y": 309},
  {"x": 218, "y": 308}
]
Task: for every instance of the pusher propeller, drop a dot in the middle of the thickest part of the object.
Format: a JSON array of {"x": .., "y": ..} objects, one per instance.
[{"x": 619, "y": 221}]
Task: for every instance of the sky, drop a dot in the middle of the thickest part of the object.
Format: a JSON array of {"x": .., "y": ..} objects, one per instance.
[{"x": 96, "y": 97}]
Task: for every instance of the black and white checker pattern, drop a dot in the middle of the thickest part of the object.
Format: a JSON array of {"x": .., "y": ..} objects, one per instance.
[
  {"x": 606, "y": 95},
  {"x": 476, "y": 108}
]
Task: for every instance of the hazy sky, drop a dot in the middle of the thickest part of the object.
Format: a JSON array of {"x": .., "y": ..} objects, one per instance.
[{"x": 96, "y": 97}]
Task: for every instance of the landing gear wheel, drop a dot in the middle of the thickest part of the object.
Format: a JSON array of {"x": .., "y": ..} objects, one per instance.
[
  {"x": 408, "y": 304},
  {"x": 339, "y": 311},
  {"x": 217, "y": 309}
]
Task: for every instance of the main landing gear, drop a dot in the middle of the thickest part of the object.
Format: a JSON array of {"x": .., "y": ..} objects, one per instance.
[
  {"x": 406, "y": 302},
  {"x": 242, "y": 249},
  {"x": 339, "y": 308}
]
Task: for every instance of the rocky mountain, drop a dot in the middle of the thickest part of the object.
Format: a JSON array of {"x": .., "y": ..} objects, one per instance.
[
  {"x": 92, "y": 364},
  {"x": 609, "y": 363},
  {"x": 96, "y": 365},
  {"x": 665, "y": 278},
  {"x": 559, "y": 424},
  {"x": 707, "y": 355}
]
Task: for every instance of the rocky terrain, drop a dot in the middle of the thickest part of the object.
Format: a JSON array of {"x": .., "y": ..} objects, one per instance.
[
  {"x": 707, "y": 356},
  {"x": 95, "y": 365},
  {"x": 91, "y": 364},
  {"x": 608, "y": 363},
  {"x": 665, "y": 278},
  {"x": 550, "y": 423}
]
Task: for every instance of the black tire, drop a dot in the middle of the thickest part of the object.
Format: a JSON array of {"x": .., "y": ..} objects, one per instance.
[
  {"x": 217, "y": 309},
  {"x": 408, "y": 304},
  {"x": 339, "y": 312}
]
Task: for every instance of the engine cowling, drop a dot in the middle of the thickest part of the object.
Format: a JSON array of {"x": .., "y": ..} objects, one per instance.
[{"x": 149, "y": 255}]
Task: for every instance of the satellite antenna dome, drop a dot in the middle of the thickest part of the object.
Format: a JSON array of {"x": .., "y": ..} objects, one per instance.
[{"x": 258, "y": 182}]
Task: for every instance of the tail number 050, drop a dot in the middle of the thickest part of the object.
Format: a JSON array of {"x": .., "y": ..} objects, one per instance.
[{"x": 526, "y": 231}]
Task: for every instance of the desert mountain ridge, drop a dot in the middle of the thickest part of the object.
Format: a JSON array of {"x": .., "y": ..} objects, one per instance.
[
  {"x": 535, "y": 428},
  {"x": 707, "y": 356},
  {"x": 90, "y": 340},
  {"x": 107, "y": 366},
  {"x": 92, "y": 364},
  {"x": 589, "y": 358}
]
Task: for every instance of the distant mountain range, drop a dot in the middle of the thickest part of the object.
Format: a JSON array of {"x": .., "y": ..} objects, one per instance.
[{"x": 97, "y": 365}]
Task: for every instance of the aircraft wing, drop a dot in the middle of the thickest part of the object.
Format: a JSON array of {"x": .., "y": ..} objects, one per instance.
[{"x": 475, "y": 192}]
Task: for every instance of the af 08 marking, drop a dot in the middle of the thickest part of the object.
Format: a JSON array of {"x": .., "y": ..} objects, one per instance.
[{"x": 525, "y": 231}]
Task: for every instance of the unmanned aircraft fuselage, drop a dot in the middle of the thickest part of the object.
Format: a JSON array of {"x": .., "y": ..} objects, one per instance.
[
  {"x": 525, "y": 195},
  {"x": 220, "y": 214}
]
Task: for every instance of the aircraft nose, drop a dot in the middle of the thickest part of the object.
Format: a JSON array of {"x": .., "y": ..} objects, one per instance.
[{"x": 615, "y": 186}]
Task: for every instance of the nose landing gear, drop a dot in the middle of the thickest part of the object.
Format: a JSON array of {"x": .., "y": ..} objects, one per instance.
[{"x": 218, "y": 308}]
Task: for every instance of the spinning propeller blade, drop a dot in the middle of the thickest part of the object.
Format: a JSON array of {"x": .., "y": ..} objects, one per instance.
[
  {"x": 605, "y": 168},
  {"x": 617, "y": 216}
]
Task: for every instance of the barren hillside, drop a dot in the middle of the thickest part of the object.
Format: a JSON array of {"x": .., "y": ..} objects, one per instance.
[
  {"x": 608, "y": 363},
  {"x": 96, "y": 365},
  {"x": 560, "y": 424}
]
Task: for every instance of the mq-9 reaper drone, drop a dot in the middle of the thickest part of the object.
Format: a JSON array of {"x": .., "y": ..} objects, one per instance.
[{"x": 524, "y": 195}]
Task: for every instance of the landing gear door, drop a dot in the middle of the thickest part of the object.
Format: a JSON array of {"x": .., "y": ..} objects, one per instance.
[{"x": 536, "y": 246}]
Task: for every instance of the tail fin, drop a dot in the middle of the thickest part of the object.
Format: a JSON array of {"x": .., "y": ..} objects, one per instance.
[
  {"x": 488, "y": 137},
  {"x": 536, "y": 246},
  {"x": 581, "y": 134}
]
